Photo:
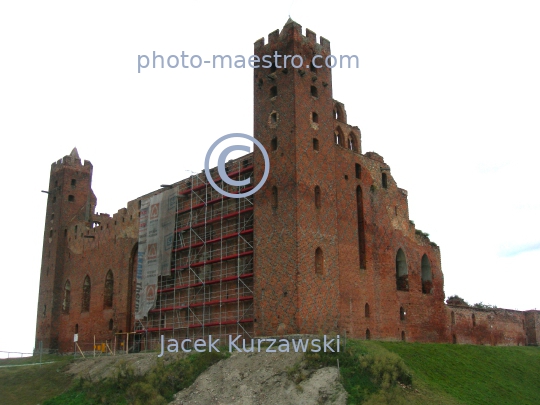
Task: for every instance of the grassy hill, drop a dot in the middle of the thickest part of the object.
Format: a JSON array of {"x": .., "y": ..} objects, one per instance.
[
  {"x": 31, "y": 384},
  {"x": 475, "y": 374},
  {"x": 372, "y": 373}
]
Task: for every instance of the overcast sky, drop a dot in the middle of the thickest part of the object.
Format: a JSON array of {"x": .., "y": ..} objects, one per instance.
[{"x": 447, "y": 92}]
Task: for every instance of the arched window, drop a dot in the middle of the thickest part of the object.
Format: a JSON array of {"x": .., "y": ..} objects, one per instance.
[
  {"x": 366, "y": 310},
  {"x": 453, "y": 318},
  {"x": 109, "y": 289},
  {"x": 85, "y": 307},
  {"x": 368, "y": 334},
  {"x": 319, "y": 261},
  {"x": 317, "y": 197},
  {"x": 110, "y": 324},
  {"x": 352, "y": 143},
  {"x": 274, "y": 197},
  {"x": 473, "y": 320},
  {"x": 67, "y": 297},
  {"x": 361, "y": 228},
  {"x": 339, "y": 137},
  {"x": 402, "y": 274},
  {"x": 339, "y": 113},
  {"x": 427, "y": 283},
  {"x": 402, "y": 314}
]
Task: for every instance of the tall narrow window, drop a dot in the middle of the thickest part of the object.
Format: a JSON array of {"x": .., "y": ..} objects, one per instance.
[
  {"x": 402, "y": 314},
  {"x": 317, "y": 197},
  {"x": 358, "y": 170},
  {"x": 274, "y": 143},
  {"x": 427, "y": 283},
  {"x": 366, "y": 310},
  {"x": 274, "y": 197},
  {"x": 315, "y": 144},
  {"x": 402, "y": 273},
  {"x": 319, "y": 261},
  {"x": 339, "y": 137},
  {"x": 67, "y": 297},
  {"x": 109, "y": 289},
  {"x": 110, "y": 324},
  {"x": 368, "y": 334},
  {"x": 76, "y": 328},
  {"x": 273, "y": 91},
  {"x": 352, "y": 142},
  {"x": 473, "y": 320},
  {"x": 315, "y": 117},
  {"x": 452, "y": 318},
  {"x": 314, "y": 91},
  {"x": 73, "y": 182},
  {"x": 85, "y": 307},
  {"x": 403, "y": 335},
  {"x": 361, "y": 227},
  {"x": 384, "y": 180}
]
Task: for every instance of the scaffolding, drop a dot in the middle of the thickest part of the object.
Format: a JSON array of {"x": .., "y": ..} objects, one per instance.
[{"x": 210, "y": 288}]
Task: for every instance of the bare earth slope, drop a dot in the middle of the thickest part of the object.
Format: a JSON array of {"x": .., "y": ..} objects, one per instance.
[{"x": 264, "y": 379}]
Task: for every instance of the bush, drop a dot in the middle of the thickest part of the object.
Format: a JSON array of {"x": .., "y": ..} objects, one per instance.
[{"x": 387, "y": 369}]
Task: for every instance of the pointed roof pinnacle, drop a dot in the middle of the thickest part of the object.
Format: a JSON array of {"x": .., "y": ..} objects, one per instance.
[
  {"x": 290, "y": 21},
  {"x": 74, "y": 153}
]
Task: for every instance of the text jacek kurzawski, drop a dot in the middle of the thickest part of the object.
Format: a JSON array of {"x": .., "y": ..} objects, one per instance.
[{"x": 251, "y": 345}]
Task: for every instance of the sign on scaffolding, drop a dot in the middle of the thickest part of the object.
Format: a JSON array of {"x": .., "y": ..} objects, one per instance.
[{"x": 156, "y": 235}]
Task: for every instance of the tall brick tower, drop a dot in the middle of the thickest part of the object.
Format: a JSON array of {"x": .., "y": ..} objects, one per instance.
[
  {"x": 70, "y": 199},
  {"x": 295, "y": 224}
]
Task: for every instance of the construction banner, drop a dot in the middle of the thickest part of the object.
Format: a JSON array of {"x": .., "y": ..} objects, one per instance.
[{"x": 156, "y": 236}]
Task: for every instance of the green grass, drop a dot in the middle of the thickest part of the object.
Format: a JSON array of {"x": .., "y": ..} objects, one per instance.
[
  {"x": 414, "y": 373},
  {"x": 475, "y": 374},
  {"x": 29, "y": 385},
  {"x": 373, "y": 373},
  {"x": 157, "y": 387}
]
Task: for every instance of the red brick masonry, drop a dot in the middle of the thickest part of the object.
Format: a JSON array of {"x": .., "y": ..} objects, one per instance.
[{"x": 333, "y": 249}]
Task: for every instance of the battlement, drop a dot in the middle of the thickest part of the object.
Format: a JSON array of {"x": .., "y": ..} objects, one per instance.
[
  {"x": 289, "y": 28},
  {"x": 73, "y": 160}
]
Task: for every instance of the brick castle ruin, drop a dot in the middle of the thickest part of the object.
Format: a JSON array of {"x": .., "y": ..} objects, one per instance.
[{"x": 326, "y": 246}]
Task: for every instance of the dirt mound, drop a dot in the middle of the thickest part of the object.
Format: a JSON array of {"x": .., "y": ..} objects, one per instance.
[
  {"x": 264, "y": 379},
  {"x": 106, "y": 366}
]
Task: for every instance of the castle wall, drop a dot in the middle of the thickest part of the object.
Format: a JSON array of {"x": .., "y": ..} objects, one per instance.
[
  {"x": 500, "y": 327},
  {"x": 325, "y": 246}
]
